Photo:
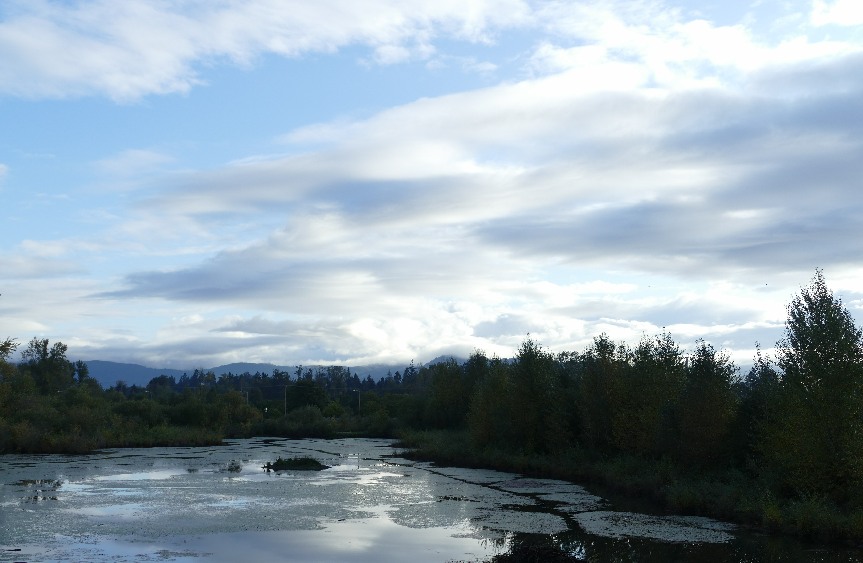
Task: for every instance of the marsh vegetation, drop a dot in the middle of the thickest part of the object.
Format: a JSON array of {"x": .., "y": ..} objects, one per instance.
[{"x": 295, "y": 464}]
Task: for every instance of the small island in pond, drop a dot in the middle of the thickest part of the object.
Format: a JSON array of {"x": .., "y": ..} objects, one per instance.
[{"x": 295, "y": 464}]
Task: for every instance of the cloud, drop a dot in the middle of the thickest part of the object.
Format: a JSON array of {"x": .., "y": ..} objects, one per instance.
[
  {"x": 39, "y": 260},
  {"x": 141, "y": 47},
  {"x": 434, "y": 221},
  {"x": 838, "y": 12},
  {"x": 132, "y": 162},
  {"x": 644, "y": 173}
]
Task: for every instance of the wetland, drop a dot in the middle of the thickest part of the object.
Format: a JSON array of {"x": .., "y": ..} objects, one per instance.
[{"x": 371, "y": 504}]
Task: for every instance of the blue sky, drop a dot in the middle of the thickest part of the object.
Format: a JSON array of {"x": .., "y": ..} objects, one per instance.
[{"x": 191, "y": 183}]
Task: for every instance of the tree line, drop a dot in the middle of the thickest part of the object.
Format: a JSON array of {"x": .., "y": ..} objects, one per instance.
[{"x": 793, "y": 424}]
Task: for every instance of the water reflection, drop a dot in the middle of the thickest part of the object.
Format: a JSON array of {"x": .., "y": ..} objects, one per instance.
[
  {"x": 181, "y": 504},
  {"x": 142, "y": 475}
]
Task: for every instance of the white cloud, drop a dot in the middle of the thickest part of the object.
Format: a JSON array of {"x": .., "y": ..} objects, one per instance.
[
  {"x": 670, "y": 50},
  {"x": 838, "y": 12},
  {"x": 671, "y": 151},
  {"x": 132, "y": 162},
  {"x": 138, "y": 47}
]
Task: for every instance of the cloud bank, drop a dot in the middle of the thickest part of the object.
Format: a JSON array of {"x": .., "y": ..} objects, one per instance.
[{"x": 647, "y": 170}]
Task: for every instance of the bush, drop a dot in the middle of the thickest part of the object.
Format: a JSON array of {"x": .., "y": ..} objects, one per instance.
[{"x": 815, "y": 518}]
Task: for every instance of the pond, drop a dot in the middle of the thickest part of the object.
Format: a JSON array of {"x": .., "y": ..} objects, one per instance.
[{"x": 219, "y": 504}]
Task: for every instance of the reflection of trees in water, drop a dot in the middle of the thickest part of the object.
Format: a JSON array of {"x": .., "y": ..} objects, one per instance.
[
  {"x": 536, "y": 547},
  {"x": 576, "y": 545}
]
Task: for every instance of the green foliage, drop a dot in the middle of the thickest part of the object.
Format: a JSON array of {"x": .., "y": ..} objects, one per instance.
[
  {"x": 815, "y": 416},
  {"x": 48, "y": 366},
  {"x": 708, "y": 407},
  {"x": 488, "y": 418},
  {"x": 305, "y": 392},
  {"x": 6, "y": 348},
  {"x": 598, "y": 395},
  {"x": 334, "y": 410},
  {"x": 538, "y": 408},
  {"x": 821, "y": 350},
  {"x": 303, "y": 422},
  {"x": 646, "y": 395},
  {"x": 755, "y": 391},
  {"x": 449, "y": 398}
]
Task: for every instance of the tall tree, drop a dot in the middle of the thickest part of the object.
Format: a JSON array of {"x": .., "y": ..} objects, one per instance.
[
  {"x": 755, "y": 392},
  {"x": 647, "y": 395},
  {"x": 449, "y": 397},
  {"x": 489, "y": 416},
  {"x": 814, "y": 438},
  {"x": 538, "y": 409},
  {"x": 598, "y": 397},
  {"x": 708, "y": 407}
]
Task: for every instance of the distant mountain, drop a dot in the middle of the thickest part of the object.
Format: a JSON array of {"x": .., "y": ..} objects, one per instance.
[
  {"x": 108, "y": 373},
  {"x": 445, "y": 358}
]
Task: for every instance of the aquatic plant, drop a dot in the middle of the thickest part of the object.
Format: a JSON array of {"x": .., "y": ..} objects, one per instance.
[{"x": 295, "y": 464}]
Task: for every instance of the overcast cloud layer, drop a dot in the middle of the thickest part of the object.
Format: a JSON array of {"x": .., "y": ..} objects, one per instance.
[{"x": 194, "y": 183}]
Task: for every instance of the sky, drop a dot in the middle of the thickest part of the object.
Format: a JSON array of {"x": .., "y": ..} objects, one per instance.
[{"x": 192, "y": 183}]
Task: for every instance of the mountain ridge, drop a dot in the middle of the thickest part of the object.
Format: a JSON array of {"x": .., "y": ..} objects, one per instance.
[{"x": 107, "y": 373}]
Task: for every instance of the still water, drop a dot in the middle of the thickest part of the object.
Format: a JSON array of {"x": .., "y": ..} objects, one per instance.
[{"x": 219, "y": 504}]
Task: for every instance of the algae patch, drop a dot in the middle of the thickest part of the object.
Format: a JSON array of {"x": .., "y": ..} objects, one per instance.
[{"x": 671, "y": 529}]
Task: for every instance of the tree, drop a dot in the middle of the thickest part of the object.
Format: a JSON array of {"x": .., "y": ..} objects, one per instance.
[
  {"x": 822, "y": 348},
  {"x": 597, "y": 402},
  {"x": 449, "y": 397},
  {"x": 49, "y": 367},
  {"x": 816, "y": 418},
  {"x": 538, "y": 410},
  {"x": 6, "y": 348},
  {"x": 7, "y": 370},
  {"x": 708, "y": 406},
  {"x": 755, "y": 392},
  {"x": 646, "y": 396},
  {"x": 490, "y": 406}
]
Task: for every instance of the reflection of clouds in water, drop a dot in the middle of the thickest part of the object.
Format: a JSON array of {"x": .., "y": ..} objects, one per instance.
[
  {"x": 142, "y": 475},
  {"x": 159, "y": 497},
  {"x": 122, "y": 511},
  {"x": 166, "y": 502},
  {"x": 372, "y": 540}
]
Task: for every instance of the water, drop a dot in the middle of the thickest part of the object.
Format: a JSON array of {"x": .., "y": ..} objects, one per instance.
[{"x": 218, "y": 504}]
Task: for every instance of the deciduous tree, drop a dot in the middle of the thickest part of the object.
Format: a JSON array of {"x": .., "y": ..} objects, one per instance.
[{"x": 815, "y": 436}]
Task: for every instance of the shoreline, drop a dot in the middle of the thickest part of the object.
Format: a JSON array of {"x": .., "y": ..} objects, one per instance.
[{"x": 725, "y": 495}]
